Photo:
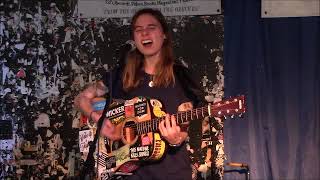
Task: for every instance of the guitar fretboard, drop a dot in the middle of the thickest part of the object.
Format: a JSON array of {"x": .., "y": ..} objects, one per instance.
[
  {"x": 217, "y": 109},
  {"x": 181, "y": 117}
]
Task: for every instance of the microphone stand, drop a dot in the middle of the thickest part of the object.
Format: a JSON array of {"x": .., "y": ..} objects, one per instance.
[{"x": 244, "y": 169}]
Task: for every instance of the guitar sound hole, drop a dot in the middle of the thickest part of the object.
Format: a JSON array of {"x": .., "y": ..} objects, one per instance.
[{"x": 130, "y": 131}]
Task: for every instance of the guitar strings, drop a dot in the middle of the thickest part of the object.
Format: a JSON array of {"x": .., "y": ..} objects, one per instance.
[{"x": 146, "y": 125}]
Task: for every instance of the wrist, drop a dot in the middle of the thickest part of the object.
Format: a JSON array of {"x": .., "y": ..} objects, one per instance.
[
  {"x": 175, "y": 145},
  {"x": 91, "y": 121},
  {"x": 91, "y": 116}
]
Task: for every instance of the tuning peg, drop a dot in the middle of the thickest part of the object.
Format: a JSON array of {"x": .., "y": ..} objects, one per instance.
[
  {"x": 232, "y": 116},
  {"x": 240, "y": 115}
]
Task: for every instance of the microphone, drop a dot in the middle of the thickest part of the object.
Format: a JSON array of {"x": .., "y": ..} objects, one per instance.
[{"x": 128, "y": 46}]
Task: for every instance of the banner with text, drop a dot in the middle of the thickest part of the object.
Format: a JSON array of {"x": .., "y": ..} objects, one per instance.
[
  {"x": 289, "y": 8},
  {"x": 126, "y": 8}
]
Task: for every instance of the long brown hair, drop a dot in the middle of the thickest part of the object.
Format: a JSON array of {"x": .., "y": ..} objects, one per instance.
[{"x": 135, "y": 60}]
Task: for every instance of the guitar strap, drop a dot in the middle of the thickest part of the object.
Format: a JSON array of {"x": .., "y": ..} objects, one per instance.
[{"x": 88, "y": 167}]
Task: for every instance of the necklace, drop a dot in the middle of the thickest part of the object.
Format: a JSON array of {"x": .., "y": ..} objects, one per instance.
[{"x": 151, "y": 83}]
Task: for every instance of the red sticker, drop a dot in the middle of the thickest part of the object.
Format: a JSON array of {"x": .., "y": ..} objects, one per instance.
[
  {"x": 129, "y": 111},
  {"x": 145, "y": 141}
]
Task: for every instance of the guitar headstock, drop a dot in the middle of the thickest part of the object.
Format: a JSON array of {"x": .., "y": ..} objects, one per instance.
[{"x": 229, "y": 107}]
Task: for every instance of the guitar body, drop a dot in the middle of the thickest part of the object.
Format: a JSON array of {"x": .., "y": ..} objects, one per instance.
[{"x": 124, "y": 156}]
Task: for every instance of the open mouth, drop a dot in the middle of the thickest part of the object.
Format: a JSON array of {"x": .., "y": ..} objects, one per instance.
[{"x": 147, "y": 43}]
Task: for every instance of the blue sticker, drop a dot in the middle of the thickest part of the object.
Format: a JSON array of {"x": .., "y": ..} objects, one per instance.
[{"x": 99, "y": 105}]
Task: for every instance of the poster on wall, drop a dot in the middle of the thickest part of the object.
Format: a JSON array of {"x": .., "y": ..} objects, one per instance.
[
  {"x": 126, "y": 8},
  {"x": 289, "y": 8}
]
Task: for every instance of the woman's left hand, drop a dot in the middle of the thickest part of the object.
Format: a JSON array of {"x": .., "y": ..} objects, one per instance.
[{"x": 171, "y": 131}]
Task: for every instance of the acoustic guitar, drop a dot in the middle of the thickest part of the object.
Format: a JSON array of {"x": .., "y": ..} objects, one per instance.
[{"x": 137, "y": 121}]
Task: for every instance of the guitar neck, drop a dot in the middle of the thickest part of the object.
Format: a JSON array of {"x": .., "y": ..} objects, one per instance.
[
  {"x": 218, "y": 109},
  {"x": 181, "y": 117}
]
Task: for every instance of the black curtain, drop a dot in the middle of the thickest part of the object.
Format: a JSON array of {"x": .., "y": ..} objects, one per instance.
[{"x": 276, "y": 63}]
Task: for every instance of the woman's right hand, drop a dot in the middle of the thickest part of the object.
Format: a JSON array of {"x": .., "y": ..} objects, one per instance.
[{"x": 109, "y": 130}]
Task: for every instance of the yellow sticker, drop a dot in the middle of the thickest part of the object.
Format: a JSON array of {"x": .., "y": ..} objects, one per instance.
[{"x": 156, "y": 104}]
